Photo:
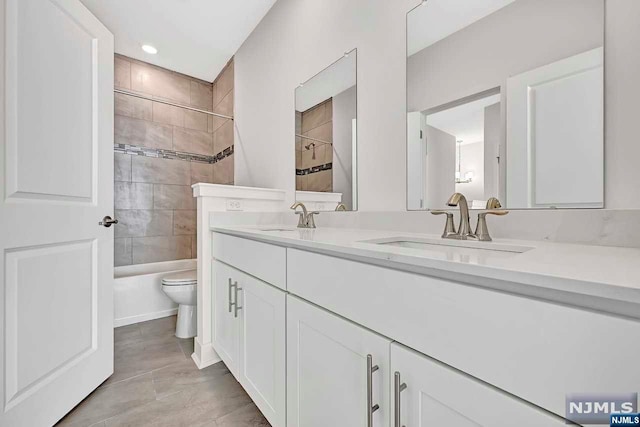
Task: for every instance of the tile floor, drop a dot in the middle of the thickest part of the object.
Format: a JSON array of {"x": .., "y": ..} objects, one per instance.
[{"x": 155, "y": 383}]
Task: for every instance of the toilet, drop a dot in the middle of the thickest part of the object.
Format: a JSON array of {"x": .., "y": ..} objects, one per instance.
[{"x": 181, "y": 287}]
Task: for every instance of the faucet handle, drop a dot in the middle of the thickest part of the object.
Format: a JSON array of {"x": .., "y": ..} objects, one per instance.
[
  {"x": 449, "y": 227},
  {"x": 301, "y": 219},
  {"x": 311, "y": 223},
  {"x": 482, "y": 231}
]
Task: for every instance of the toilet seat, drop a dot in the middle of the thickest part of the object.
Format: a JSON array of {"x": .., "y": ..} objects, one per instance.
[{"x": 181, "y": 278}]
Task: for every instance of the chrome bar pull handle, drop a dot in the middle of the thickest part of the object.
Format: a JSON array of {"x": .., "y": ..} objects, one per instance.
[
  {"x": 236, "y": 305},
  {"x": 398, "y": 387},
  {"x": 230, "y": 296},
  {"x": 371, "y": 408}
]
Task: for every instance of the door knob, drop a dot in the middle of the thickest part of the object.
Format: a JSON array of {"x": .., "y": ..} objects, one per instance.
[{"x": 107, "y": 221}]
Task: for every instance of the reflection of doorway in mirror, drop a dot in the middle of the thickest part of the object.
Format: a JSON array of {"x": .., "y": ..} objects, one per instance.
[{"x": 461, "y": 143}]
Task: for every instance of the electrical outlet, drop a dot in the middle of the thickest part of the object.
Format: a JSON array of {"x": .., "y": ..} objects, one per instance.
[{"x": 234, "y": 205}]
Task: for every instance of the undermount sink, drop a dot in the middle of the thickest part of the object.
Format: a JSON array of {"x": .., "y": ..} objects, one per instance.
[
  {"x": 277, "y": 229},
  {"x": 453, "y": 248}
]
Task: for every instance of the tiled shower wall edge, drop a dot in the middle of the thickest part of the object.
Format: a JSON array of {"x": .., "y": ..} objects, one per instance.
[{"x": 160, "y": 150}]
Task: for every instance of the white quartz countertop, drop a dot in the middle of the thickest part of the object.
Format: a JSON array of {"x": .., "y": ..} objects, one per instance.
[{"x": 598, "y": 271}]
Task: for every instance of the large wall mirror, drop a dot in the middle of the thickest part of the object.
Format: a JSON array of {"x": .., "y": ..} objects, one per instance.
[
  {"x": 505, "y": 98},
  {"x": 325, "y": 137}
]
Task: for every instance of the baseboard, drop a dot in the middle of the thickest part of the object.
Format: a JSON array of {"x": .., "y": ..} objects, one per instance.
[
  {"x": 204, "y": 355},
  {"x": 124, "y": 321}
]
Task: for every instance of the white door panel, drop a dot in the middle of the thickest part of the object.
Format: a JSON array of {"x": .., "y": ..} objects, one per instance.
[
  {"x": 56, "y": 183},
  {"x": 555, "y": 134}
]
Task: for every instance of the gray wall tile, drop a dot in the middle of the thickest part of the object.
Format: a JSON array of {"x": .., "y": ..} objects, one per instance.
[
  {"x": 201, "y": 95},
  {"x": 122, "y": 73},
  {"x": 143, "y": 223},
  {"x": 141, "y": 132},
  {"x": 225, "y": 106},
  {"x": 173, "y": 197},
  {"x": 192, "y": 141},
  {"x": 122, "y": 252},
  {"x": 195, "y": 120},
  {"x": 184, "y": 223},
  {"x": 131, "y": 106},
  {"x": 133, "y": 195},
  {"x": 223, "y": 171},
  {"x": 223, "y": 137},
  {"x": 121, "y": 167},
  {"x": 201, "y": 172},
  {"x": 156, "y": 249},
  {"x": 161, "y": 83},
  {"x": 168, "y": 114},
  {"x": 160, "y": 171},
  {"x": 223, "y": 84},
  {"x": 214, "y": 123}
]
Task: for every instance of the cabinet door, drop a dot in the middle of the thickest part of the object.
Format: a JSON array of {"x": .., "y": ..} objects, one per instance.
[
  {"x": 225, "y": 328},
  {"x": 327, "y": 370},
  {"x": 437, "y": 395},
  {"x": 262, "y": 346}
]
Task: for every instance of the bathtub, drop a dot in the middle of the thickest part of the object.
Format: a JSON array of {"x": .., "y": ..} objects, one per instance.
[{"x": 137, "y": 291}]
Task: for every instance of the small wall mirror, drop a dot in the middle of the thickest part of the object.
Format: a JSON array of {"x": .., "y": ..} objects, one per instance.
[
  {"x": 505, "y": 98},
  {"x": 325, "y": 137}
]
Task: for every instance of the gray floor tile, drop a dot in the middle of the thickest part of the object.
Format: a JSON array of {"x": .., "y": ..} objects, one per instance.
[
  {"x": 247, "y": 416},
  {"x": 156, "y": 383},
  {"x": 110, "y": 401},
  {"x": 180, "y": 376},
  {"x": 187, "y": 347}
]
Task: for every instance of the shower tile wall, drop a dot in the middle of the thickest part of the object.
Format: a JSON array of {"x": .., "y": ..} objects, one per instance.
[
  {"x": 153, "y": 196},
  {"x": 315, "y": 174}
]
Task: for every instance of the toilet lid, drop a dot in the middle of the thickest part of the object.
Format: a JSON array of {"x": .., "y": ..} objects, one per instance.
[{"x": 188, "y": 277}]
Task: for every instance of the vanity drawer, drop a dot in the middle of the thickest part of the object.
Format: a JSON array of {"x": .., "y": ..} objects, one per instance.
[
  {"x": 266, "y": 262},
  {"x": 537, "y": 350}
]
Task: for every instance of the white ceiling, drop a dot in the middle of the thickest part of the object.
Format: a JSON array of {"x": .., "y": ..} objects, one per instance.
[
  {"x": 465, "y": 122},
  {"x": 194, "y": 37},
  {"x": 434, "y": 20},
  {"x": 335, "y": 79}
]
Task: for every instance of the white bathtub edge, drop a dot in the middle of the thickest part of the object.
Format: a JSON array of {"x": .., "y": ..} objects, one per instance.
[{"x": 144, "y": 317}]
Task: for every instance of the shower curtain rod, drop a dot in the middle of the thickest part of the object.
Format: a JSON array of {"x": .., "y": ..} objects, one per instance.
[
  {"x": 314, "y": 139},
  {"x": 186, "y": 107}
]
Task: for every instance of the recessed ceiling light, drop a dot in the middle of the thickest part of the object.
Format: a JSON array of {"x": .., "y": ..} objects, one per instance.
[{"x": 149, "y": 49}]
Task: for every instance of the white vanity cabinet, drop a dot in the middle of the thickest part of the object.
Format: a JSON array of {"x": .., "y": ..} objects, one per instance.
[
  {"x": 225, "y": 327},
  {"x": 433, "y": 394},
  {"x": 249, "y": 335},
  {"x": 329, "y": 380}
]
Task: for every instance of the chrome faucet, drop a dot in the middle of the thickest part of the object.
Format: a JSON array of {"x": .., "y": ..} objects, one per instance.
[
  {"x": 306, "y": 219},
  {"x": 464, "y": 229}
]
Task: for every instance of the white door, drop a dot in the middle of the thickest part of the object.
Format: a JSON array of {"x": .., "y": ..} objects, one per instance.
[
  {"x": 263, "y": 347},
  {"x": 555, "y": 134},
  {"x": 328, "y": 372},
  {"x": 226, "y": 325},
  {"x": 416, "y": 163},
  {"x": 433, "y": 394},
  {"x": 56, "y": 184}
]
